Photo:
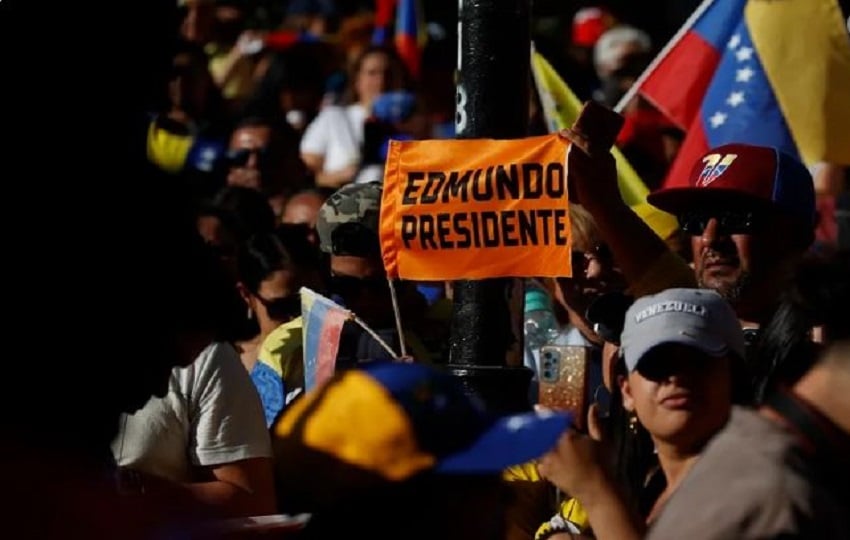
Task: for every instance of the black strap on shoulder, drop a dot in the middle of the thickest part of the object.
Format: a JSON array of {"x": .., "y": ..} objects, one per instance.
[{"x": 821, "y": 434}]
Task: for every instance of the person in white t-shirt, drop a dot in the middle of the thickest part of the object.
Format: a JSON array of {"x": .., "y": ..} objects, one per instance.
[
  {"x": 331, "y": 146},
  {"x": 205, "y": 444}
]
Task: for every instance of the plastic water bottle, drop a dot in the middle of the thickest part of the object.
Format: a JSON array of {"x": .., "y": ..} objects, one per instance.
[{"x": 541, "y": 327}]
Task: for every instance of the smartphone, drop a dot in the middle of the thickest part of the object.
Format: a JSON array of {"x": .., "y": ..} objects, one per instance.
[
  {"x": 563, "y": 384},
  {"x": 600, "y": 124}
]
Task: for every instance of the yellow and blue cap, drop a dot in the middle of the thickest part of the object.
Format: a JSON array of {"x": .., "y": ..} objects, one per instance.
[{"x": 393, "y": 421}]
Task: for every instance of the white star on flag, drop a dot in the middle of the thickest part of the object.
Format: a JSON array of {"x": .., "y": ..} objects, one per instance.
[
  {"x": 734, "y": 41},
  {"x": 744, "y": 75},
  {"x": 744, "y": 53},
  {"x": 735, "y": 99},
  {"x": 718, "y": 119}
]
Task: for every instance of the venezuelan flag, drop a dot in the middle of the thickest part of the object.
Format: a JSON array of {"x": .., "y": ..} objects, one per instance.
[
  {"x": 278, "y": 372},
  {"x": 561, "y": 108},
  {"x": 383, "y": 20},
  {"x": 759, "y": 72},
  {"x": 410, "y": 34},
  {"x": 322, "y": 320}
]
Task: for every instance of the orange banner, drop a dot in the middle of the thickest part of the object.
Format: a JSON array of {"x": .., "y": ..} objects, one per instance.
[{"x": 476, "y": 209}]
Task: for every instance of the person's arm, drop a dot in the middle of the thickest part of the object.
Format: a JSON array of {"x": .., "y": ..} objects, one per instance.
[
  {"x": 314, "y": 146},
  {"x": 575, "y": 467},
  {"x": 636, "y": 248},
  {"x": 238, "y": 489},
  {"x": 336, "y": 179},
  {"x": 329, "y": 179},
  {"x": 241, "y": 488},
  {"x": 228, "y": 442}
]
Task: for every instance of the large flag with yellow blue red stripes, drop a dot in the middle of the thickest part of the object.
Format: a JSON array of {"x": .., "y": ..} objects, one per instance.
[{"x": 765, "y": 72}]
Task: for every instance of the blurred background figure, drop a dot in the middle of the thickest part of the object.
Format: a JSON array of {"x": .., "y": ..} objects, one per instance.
[
  {"x": 263, "y": 156},
  {"x": 332, "y": 146}
]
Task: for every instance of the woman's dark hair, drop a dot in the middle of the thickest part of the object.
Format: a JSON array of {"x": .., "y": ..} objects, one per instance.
[
  {"x": 634, "y": 450},
  {"x": 285, "y": 248},
  {"x": 243, "y": 211},
  {"x": 818, "y": 296},
  {"x": 259, "y": 257}
]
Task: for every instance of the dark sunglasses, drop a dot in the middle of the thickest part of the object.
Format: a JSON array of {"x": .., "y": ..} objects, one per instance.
[
  {"x": 240, "y": 157},
  {"x": 281, "y": 309},
  {"x": 728, "y": 221},
  {"x": 349, "y": 286},
  {"x": 355, "y": 239}
]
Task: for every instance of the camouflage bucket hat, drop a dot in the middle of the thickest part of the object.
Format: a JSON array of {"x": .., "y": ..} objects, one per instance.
[{"x": 348, "y": 222}]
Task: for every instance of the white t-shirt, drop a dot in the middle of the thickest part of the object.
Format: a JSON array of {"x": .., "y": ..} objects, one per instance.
[
  {"x": 211, "y": 416},
  {"x": 337, "y": 134}
]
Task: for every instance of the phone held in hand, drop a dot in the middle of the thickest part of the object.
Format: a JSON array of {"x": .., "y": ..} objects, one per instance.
[
  {"x": 564, "y": 381},
  {"x": 599, "y": 124}
]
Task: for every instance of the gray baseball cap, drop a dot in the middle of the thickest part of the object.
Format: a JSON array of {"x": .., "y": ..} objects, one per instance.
[{"x": 698, "y": 318}]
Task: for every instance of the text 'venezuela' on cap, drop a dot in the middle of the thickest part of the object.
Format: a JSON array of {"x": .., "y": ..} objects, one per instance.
[{"x": 698, "y": 318}]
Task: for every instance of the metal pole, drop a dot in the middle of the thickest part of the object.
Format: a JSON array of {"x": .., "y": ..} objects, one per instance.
[{"x": 492, "y": 102}]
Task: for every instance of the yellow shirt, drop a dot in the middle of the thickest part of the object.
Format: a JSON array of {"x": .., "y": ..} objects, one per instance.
[
  {"x": 570, "y": 510},
  {"x": 279, "y": 370},
  {"x": 281, "y": 351}
]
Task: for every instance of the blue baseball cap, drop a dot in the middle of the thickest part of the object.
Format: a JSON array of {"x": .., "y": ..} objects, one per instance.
[{"x": 397, "y": 420}]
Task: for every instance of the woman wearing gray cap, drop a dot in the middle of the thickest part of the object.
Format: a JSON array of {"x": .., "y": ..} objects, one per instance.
[{"x": 680, "y": 350}]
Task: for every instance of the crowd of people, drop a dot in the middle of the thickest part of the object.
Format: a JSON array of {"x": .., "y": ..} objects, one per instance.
[{"x": 169, "y": 394}]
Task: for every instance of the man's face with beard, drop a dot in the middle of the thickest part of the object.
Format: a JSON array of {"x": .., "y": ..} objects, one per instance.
[
  {"x": 722, "y": 261},
  {"x": 741, "y": 254}
]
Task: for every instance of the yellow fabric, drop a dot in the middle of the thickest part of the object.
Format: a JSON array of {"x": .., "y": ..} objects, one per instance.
[
  {"x": 239, "y": 81},
  {"x": 667, "y": 271},
  {"x": 525, "y": 472},
  {"x": 561, "y": 108},
  {"x": 359, "y": 423},
  {"x": 166, "y": 149},
  {"x": 570, "y": 510},
  {"x": 279, "y": 347},
  {"x": 805, "y": 51},
  {"x": 286, "y": 423}
]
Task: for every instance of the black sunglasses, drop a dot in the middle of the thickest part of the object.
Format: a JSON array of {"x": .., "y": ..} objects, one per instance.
[
  {"x": 240, "y": 157},
  {"x": 355, "y": 239},
  {"x": 728, "y": 221},
  {"x": 281, "y": 309}
]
